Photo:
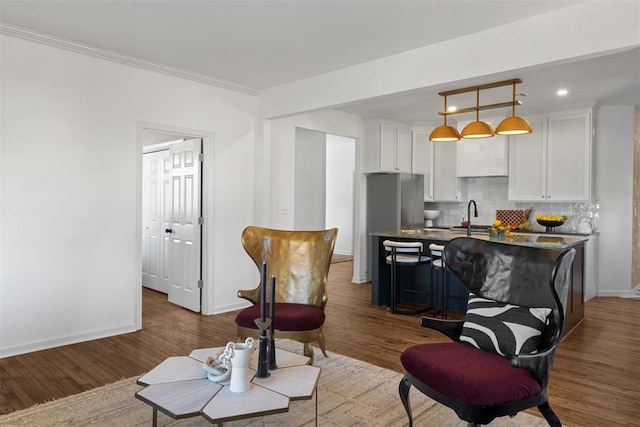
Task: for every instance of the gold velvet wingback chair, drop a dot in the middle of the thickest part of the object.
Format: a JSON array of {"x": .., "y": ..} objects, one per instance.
[{"x": 300, "y": 262}]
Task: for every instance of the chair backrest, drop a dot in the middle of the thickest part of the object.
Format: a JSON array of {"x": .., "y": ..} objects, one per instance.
[
  {"x": 436, "y": 250},
  {"x": 299, "y": 260},
  {"x": 520, "y": 275},
  {"x": 404, "y": 247}
]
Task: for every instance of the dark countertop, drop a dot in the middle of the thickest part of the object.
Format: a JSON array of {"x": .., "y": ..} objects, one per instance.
[{"x": 540, "y": 240}]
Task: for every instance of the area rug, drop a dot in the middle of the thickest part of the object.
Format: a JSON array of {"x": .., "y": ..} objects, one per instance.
[{"x": 350, "y": 393}]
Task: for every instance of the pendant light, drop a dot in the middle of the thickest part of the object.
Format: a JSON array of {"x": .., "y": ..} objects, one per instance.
[
  {"x": 477, "y": 129},
  {"x": 514, "y": 125},
  {"x": 445, "y": 133}
]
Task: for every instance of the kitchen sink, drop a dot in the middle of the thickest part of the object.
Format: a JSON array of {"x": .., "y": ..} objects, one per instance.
[{"x": 475, "y": 229}]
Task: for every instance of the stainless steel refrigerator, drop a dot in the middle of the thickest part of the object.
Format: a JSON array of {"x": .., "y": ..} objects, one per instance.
[{"x": 394, "y": 202}]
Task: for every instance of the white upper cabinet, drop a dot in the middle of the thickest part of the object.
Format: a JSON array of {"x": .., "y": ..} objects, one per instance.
[
  {"x": 437, "y": 162},
  {"x": 569, "y": 156},
  {"x": 445, "y": 178},
  {"x": 422, "y": 158},
  {"x": 528, "y": 163},
  {"x": 554, "y": 162},
  {"x": 387, "y": 146},
  {"x": 483, "y": 157}
]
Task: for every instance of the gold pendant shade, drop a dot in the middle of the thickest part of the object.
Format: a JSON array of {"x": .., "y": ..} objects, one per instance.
[
  {"x": 445, "y": 133},
  {"x": 514, "y": 125},
  {"x": 478, "y": 129}
]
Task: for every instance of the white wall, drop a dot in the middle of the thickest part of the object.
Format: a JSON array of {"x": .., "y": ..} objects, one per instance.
[
  {"x": 614, "y": 189},
  {"x": 70, "y": 189},
  {"x": 309, "y": 181},
  {"x": 339, "y": 201},
  {"x": 280, "y": 154}
]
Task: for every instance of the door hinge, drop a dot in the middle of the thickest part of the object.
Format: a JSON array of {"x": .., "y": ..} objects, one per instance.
[
  {"x": 200, "y": 284},
  {"x": 201, "y": 157},
  {"x": 200, "y": 220}
]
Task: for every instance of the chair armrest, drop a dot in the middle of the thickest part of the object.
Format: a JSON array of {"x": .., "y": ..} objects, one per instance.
[
  {"x": 450, "y": 328},
  {"x": 250, "y": 294},
  {"x": 538, "y": 364}
]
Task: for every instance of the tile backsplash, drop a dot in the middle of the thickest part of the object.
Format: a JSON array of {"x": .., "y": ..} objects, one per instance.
[{"x": 491, "y": 194}]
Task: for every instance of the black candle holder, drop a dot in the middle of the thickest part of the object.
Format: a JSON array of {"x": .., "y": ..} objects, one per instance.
[
  {"x": 272, "y": 336},
  {"x": 263, "y": 362}
]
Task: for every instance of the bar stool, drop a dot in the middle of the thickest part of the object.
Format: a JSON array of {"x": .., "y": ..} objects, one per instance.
[
  {"x": 438, "y": 264},
  {"x": 403, "y": 254}
]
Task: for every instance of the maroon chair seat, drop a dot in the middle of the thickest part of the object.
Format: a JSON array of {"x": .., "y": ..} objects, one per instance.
[
  {"x": 465, "y": 373},
  {"x": 288, "y": 317}
]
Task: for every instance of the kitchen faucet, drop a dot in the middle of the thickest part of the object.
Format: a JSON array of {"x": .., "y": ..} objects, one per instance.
[{"x": 475, "y": 213}]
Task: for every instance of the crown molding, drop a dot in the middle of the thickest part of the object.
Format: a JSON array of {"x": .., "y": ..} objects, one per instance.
[{"x": 33, "y": 36}]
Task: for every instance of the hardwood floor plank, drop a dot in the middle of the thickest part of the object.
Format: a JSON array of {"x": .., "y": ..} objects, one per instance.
[{"x": 594, "y": 381}]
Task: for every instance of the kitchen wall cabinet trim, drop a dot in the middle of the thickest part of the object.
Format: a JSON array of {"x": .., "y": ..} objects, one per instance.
[
  {"x": 387, "y": 146},
  {"x": 554, "y": 163}
]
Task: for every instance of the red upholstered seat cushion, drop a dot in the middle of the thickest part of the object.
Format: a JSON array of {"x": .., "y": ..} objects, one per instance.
[
  {"x": 288, "y": 316},
  {"x": 465, "y": 373}
]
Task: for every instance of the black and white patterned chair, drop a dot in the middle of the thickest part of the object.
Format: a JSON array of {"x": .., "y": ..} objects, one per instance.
[{"x": 502, "y": 352}]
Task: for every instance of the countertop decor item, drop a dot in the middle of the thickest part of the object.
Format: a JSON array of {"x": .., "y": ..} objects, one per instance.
[
  {"x": 551, "y": 221},
  {"x": 429, "y": 216},
  {"x": 499, "y": 230}
]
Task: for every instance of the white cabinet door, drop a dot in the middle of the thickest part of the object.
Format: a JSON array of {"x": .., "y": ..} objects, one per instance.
[
  {"x": 591, "y": 267},
  {"x": 421, "y": 160},
  {"x": 445, "y": 179},
  {"x": 388, "y": 135},
  {"x": 569, "y": 157},
  {"x": 403, "y": 150},
  {"x": 528, "y": 163},
  {"x": 554, "y": 162},
  {"x": 387, "y": 146}
]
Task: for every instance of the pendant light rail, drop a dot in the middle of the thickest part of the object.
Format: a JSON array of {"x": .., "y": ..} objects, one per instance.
[{"x": 479, "y": 88}]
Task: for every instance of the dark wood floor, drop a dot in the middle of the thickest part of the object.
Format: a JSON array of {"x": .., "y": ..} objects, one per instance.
[{"x": 595, "y": 380}]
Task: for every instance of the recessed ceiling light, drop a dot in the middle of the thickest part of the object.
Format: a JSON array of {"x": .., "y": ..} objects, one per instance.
[{"x": 562, "y": 92}]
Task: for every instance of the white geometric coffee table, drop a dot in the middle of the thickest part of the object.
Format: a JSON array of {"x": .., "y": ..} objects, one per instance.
[{"x": 179, "y": 387}]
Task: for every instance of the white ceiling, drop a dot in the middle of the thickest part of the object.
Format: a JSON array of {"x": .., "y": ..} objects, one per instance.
[{"x": 264, "y": 43}]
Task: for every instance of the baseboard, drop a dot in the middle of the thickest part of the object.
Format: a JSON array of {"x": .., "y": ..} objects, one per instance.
[
  {"x": 231, "y": 307},
  {"x": 345, "y": 253},
  {"x": 359, "y": 279},
  {"x": 74, "y": 339},
  {"x": 632, "y": 293}
]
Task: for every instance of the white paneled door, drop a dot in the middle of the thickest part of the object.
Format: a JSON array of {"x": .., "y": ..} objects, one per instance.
[
  {"x": 154, "y": 166},
  {"x": 184, "y": 231}
]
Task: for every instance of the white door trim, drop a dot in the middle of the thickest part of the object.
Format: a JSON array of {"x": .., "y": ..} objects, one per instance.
[{"x": 208, "y": 203}]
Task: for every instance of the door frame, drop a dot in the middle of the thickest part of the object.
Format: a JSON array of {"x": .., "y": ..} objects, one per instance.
[{"x": 207, "y": 203}]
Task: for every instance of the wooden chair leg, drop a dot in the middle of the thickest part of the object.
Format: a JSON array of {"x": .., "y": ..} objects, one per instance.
[
  {"x": 403, "y": 390},
  {"x": 307, "y": 351},
  {"x": 549, "y": 415},
  {"x": 320, "y": 340}
]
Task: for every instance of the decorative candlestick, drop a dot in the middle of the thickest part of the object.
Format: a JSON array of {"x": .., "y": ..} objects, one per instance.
[
  {"x": 263, "y": 290},
  {"x": 272, "y": 338},
  {"x": 263, "y": 324},
  {"x": 263, "y": 362}
]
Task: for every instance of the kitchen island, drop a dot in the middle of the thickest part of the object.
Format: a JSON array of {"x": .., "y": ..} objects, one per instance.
[{"x": 457, "y": 294}]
